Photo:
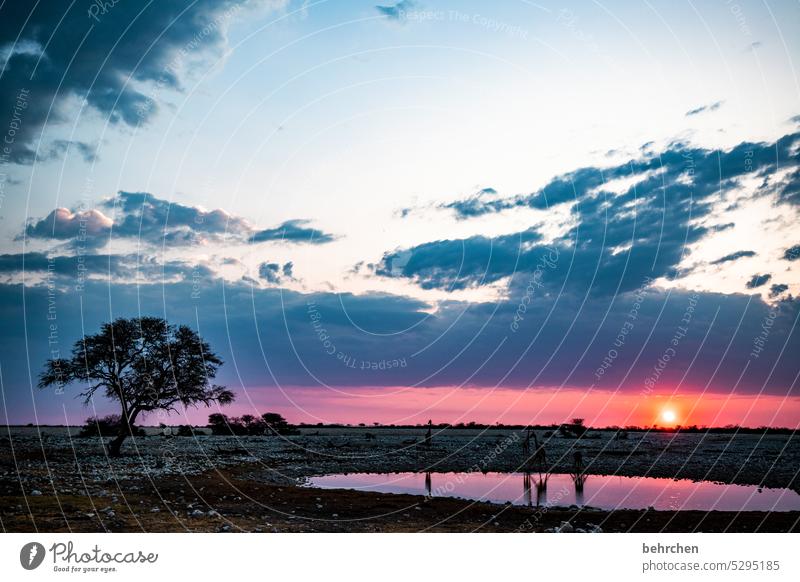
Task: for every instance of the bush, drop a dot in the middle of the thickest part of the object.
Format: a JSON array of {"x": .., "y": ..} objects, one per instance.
[
  {"x": 276, "y": 424},
  {"x": 220, "y": 424},
  {"x": 185, "y": 430},
  {"x": 270, "y": 423},
  {"x": 105, "y": 426}
]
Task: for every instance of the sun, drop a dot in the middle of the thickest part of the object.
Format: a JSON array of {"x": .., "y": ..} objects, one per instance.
[{"x": 668, "y": 416}]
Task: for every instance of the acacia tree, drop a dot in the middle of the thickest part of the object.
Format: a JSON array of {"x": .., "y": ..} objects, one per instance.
[{"x": 143, "y": 363}]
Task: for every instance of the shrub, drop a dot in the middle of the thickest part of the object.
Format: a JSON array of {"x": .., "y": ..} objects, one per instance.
[
  {"x": 106, "y": 426},
  {"x": 185, "y": 430}
]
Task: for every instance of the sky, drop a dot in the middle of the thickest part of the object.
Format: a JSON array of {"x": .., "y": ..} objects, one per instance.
[{"x": 502, "y": 212}]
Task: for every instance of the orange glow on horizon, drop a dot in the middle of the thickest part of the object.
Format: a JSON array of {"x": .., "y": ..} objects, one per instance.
[{"x": 404, "y": 405}]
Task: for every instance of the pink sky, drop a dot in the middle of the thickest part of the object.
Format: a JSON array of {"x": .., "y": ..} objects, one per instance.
[{"x": 510, "y": 406}]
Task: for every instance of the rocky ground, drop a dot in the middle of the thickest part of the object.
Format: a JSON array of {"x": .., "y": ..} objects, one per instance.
[{"x": 52, "y": 482}]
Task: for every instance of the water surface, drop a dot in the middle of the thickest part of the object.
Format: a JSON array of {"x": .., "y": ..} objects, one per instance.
[{"x": 561, "y": 489}]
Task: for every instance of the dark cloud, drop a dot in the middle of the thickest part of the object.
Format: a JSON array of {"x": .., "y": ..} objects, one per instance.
[
  {"x": 484, "y": 201},
  {"x": 59, "y": 147},
  {"x": 76, "y": 270},
  {"x": 78, "y": 50},
  {"x": 792, "y": 253},
  {"x": 758, "y": 280},
  {"x": 733, "y": 257},
  {"x": 457, "y": 264},
  {"x": 62, "y": 223},
  {"x": 270, "y": 272},
  {"x": 561, "y": 341},
  {"x": 726, "y": 226},
  {"x": 654, "y": 177},
  {"x": 292, "y": 231},
  {"x": 617, "y": 239},
  {"x": 144, "y": 217},
  {"x": 777, "y": 289},
  {"x": 147, "y": 217},
  {"x": 276, "y": 274},
  {"x": 704, "y": 109},
  {"x": 397, "y": 11}
]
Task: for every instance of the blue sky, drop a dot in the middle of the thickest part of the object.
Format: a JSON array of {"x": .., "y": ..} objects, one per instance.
[{"x": 404, "y": 168}]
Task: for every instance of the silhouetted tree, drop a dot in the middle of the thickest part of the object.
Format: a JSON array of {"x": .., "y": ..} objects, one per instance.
[
  {"x": 143, "y": 363},
  {"x": 276, "y": 424},
  {"x": 221, "y": 424}
]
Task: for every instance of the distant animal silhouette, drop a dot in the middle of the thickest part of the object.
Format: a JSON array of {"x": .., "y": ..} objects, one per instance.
[
  {"x": 578, "y": 475},
  {"x": 429, "y": 435},
  {"x": 539, "y": 458}
]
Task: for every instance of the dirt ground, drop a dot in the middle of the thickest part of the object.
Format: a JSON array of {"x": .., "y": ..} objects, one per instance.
[{"x": 51, "y": 482}]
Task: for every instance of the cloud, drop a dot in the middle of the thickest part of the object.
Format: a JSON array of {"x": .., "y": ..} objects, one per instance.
[
  {"x": 458, "y": 264},
  {"x": 276, "y": 274},
  {"x": 63, "y": 223},
  {"x": 397, "y": 11},
  {"x": 484, "y": 201},
  {"x": 57, "y": 148},
  {"x": 777, "y": 289},
  {"x": 54, "y": 54},
  {"x": 678, "y": 169},
  {"x": 561, "y": 342},
  {"x": 76, "y": 270},
  {"x": 733, "y": 257},
  {"x": 758, "y": 280},
  {"x": 617, "y": 236},
  {"x": 704, "y": 108},
  {"x": 146, "y": 218},
  {"x": 292, "y": 231},
  {"x": 270, "y": 272},
  {"x": 792, "y": 253}
]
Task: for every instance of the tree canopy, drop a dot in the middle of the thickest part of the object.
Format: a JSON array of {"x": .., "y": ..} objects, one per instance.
[{"x": 145, "y": 364}]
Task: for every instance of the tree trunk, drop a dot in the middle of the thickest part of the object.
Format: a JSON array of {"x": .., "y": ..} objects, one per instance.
[
  {"x": 125, "y": 430},
  {"x": 115, "y": 444}
]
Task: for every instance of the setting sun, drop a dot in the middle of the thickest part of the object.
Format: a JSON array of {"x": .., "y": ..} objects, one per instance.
[{"x": 668, "y": 416}]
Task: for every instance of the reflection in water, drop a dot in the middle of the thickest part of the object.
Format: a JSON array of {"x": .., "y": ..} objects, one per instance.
[
  {"x": 601, "y": 491},
  {"x": 579, "y": 500},
  {"x": 541, "y": 489},
  {"x": 526, "y": 488},
  {"x": 578, "y": 477}
]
